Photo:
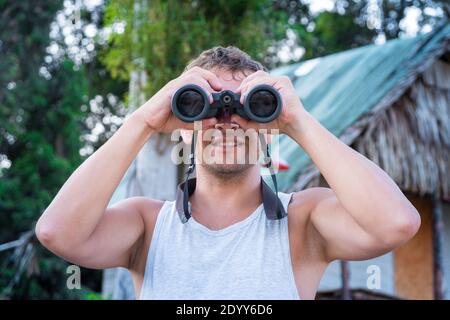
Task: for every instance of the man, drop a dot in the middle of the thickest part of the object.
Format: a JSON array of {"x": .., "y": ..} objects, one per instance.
[{"x": 229, "y": 248}]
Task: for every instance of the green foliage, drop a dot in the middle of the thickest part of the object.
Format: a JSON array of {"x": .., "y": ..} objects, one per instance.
[
  {"x": 46, "y": 143},
  {"x": 162, "y": 36},
  {"x": 334, "y": 32},
  {"x": 40, "y": 128},
  {"x": 93, "y": 296},
  {"x": 349, "y": 24}
]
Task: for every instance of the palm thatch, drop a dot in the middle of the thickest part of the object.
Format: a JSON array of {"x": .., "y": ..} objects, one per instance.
[{"x": 409, "y": 137}]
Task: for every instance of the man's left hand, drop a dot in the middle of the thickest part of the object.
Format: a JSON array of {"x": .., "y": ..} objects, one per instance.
[{"x": 292, "y": 108}]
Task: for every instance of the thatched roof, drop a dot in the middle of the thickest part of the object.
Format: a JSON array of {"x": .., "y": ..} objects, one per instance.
[
  {"x": 411, "y": 139},
  {"x": 391, "y": 102}
]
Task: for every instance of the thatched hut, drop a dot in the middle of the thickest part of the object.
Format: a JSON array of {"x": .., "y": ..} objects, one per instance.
[{"x": 390, "y": 102}]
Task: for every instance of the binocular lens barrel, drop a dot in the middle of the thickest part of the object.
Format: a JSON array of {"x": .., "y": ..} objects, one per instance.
[
  {"x": 263, "y": 103},
  {"x": 190, "y": 103}
]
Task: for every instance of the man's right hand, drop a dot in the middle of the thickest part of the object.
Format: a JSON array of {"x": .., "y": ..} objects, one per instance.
[
  {"x": 78, "y": 225},
  {"x": 157, "y": 111}
]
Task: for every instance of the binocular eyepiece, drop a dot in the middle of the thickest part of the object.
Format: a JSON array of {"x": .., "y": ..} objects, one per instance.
[{"x": 190, "y": 103}]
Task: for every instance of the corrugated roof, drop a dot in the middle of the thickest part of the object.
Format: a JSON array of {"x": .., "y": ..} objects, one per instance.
[{"x": 338, "y": 89}]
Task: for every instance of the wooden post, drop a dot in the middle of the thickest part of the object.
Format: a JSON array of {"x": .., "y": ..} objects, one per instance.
[
  {"x": 345, "y": 276},
  {"x": 438, "y": 228}
]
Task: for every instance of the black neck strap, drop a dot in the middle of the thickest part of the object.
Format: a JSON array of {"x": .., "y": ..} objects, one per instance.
[
  {"x": 272, "y": 205},
  {"x": 191, "y": 168},
  {"x": 279, "y": 210}
]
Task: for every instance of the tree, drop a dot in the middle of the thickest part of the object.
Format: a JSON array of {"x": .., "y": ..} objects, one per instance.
[
  {"x": 162, "y": 36},
  {"x": 43, "y": 114},
  {"x": 333, "y": 33},
  {"x": 354, "y": 23}
]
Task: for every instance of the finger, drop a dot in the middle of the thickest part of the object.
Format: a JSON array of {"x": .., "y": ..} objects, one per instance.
[
  {"x": 250, "y": 85},
  {"x": 198, "y": 125},
  {"x": 213, "y": 81},
  {"x": 254, "y": 75},
  {"x": 276, "y": 82},
  {"x": 253, "y": 83},
  {"x": 205, "y": 86},
  {"x": 183, "y": 125},
  {"x": 202, "y": 84},
  {"x": 209, "y": 123}
]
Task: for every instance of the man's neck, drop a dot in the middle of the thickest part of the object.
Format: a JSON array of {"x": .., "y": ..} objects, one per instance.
[{"x": 218, "y": 202}]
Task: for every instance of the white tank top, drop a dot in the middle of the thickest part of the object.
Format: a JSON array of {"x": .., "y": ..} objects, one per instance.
[{"x": 247, "y": 260}]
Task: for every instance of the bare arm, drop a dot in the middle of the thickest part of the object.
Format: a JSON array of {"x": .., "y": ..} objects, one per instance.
[
  {"x": 77, "y": 225},
  {"x": 365, "y": 214}
]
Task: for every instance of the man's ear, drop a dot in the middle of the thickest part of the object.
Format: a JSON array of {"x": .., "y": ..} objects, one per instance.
[{"x": 186, "y": 135}]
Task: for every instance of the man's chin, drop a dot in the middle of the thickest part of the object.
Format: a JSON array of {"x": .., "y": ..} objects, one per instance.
[{"x": 227, "y": 169}]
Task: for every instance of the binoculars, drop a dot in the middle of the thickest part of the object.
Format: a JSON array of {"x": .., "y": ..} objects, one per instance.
[{"x": 191, "y": 103}]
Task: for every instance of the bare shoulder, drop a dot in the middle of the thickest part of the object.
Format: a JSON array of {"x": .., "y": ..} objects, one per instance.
[
  {"x": 144, "y": 207},
  {"x": 303, "y": 202},
  {"x": 148, "y": 209},
  {"x": 303, "y": 235},
  {"x": 306, "y": 244}
]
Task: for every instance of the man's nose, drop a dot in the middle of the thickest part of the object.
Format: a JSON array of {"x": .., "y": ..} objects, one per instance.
[
  {"x": 223, "y": 125},
  {"x": 224, "y": 120}
]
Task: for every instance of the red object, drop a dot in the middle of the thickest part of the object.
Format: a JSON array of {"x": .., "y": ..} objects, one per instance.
[
  {"x": 283, "y": 166},
  {"x": 279, "y": 165}
]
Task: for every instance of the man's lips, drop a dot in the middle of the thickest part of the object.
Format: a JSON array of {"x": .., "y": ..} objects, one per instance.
[
  {"x": 226, "y": 144},
  {"x": 218, "y": 142}
]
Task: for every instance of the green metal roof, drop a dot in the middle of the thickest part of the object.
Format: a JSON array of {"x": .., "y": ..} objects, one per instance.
[{"x": 340, "y": 88}]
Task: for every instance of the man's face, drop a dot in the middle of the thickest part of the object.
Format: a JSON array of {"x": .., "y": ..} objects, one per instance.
[{"x": 226, "y": 149}]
